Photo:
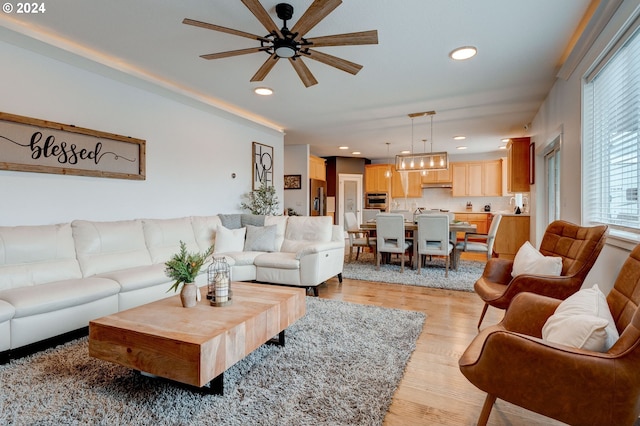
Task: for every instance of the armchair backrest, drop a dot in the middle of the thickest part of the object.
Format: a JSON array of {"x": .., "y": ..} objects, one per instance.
[
  {"x": 624, "y": 297},
  {"x": 578, "y": 246},
  {"x": 350, "y": 221},
  {"x": 493, "y": 230}
]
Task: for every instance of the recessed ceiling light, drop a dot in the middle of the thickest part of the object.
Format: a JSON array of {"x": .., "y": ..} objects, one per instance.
[
  {"x": 459, "y": 138},
  {"x": 263, "y": 91},
  {"x": 405, "y": 152},
  {"x": 461, "y": 147},
  {"x": 356, "y": 153},
  {"x": 462, "y": 53},
  {"x": 503, "y": 147},
  {"x": 505, "y": 140},
  {"x": 343, "y": 147}
]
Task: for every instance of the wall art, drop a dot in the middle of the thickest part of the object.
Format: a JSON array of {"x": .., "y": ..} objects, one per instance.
[
  {"x": 262, "y": 162},
  {"x": 292, "y": 181},
  {"x": 34, "y": 145}
]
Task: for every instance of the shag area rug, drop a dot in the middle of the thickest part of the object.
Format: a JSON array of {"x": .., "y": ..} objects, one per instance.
[
  {"x": 341, "y": 364},
  {"x": 431, "y": 275}
]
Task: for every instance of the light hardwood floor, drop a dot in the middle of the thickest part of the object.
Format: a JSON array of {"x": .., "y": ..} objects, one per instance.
[{"x": 433, "y": 391}]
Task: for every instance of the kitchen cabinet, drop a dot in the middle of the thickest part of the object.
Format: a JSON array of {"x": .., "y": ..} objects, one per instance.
[
  {"x": 512, "y": 233},
  {"x": 414, "y": 189},
  {"x": 518, "y": 165},
  {"x": 477, "y": 179},
  {"x": 438, "y": 176},
  {"x": 376, "y": 179},
  {"x": 481, "y": 220},
  {"x": 317, "y": 168}
]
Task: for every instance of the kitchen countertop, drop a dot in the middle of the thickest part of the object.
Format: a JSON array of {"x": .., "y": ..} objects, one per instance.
[{"x": 503, "y": 213}]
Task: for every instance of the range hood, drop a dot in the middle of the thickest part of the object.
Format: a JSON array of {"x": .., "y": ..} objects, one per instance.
[{"x": 437, "y": 185}]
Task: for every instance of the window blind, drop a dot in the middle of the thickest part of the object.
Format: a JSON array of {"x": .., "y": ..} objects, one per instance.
[{"x": 611, "y": 111}]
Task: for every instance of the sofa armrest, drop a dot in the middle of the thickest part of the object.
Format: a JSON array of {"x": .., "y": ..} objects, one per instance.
[
  {"x": 313, "y": 248},
  {"x": 498, "y": 270},
  {"x": 528, "y": 313}
]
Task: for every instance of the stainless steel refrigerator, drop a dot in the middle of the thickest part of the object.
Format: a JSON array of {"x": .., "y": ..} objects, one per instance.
[{"x": 317, "y": 197}]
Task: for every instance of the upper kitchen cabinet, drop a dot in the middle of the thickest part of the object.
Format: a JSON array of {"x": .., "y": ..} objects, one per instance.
[
  {"x": 414, "y": 185},
  {"x": 477, "y": 178},
  {"x": 438, "y": 176},
  {"x": 376, "y": 178},
  {"x": 317, "y": 168},
  {"x": 518, "y": 165}
]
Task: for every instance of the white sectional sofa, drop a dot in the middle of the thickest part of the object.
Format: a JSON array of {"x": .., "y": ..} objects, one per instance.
[{"x": 54, "y": 279}]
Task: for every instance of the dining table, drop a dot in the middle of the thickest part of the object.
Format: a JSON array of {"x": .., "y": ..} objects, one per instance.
[{"x": 411, "y": 227}]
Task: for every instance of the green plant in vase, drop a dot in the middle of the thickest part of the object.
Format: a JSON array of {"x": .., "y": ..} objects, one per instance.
[
  {"x": 183, "y": 267},
  {"x": 262, "y": 201}
]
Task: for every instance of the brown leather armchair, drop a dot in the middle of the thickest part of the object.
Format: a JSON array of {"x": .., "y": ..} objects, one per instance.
[
  {"x": 510, "y": 361},
  {"x": 579, "y": 248}
]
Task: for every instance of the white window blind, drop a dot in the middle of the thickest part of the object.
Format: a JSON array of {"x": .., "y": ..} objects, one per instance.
[{"x": 611, "y": 176}]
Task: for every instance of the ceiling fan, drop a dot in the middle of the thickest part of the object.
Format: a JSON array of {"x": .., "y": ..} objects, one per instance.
[{"x": 290, "y": 44}]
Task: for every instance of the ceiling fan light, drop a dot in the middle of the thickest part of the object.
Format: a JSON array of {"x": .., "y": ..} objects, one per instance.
[
  {"x": 285, "y": 52},
  {"x": 263, "y": 91}
]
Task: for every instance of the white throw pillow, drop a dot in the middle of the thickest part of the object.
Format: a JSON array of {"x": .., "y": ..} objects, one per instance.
[
  {"x": 528, "y": 260},
  {"x": 229, "y": 240},
  {"x": 261, "y": 238},
  {"x": 584, "y": 321}
]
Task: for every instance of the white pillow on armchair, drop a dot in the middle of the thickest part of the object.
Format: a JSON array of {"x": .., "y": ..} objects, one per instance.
[{"x": 529, "y": 260}]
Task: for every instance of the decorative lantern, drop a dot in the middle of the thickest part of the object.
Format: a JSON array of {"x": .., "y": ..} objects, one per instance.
[{"x": 219, "y": 282}]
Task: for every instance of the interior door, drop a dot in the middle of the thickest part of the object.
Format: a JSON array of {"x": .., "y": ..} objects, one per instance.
[{"x": 351, "y": 197}]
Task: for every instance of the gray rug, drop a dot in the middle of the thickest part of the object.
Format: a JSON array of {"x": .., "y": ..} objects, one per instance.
[
  {"x": 341, "y": 365},
  {"x": 431, "y": 275}
]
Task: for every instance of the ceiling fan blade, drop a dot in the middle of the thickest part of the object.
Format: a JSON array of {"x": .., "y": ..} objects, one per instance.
[
  {"x": 231, "y": 53},
  {"x": 334, "y": 61},
  {"x": 265, "y": 68},
  {"x": 221, "y": 29},
  {"x": 363, "y": 37},
  {"x": 303, "y": 72},
  {"x": 318, "y": 10},
  {"x": 262, "y": 15}
]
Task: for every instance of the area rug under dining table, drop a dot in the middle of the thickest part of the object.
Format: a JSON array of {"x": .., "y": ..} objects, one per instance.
[
  {"x": 341, "y": 365},
  {"x": 431, "y": 275}
]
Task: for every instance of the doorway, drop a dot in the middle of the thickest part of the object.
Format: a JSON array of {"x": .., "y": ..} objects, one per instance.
[
  {"x": 552, "y": 172},
  {"x": 350, "y": 197}
]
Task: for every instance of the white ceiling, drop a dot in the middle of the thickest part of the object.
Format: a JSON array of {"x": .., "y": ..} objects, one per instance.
[{"x": 489, "y": 97}]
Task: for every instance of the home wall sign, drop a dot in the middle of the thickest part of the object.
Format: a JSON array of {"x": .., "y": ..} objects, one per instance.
[
  {"x": 262, "y": 163},
  {"x": 33, "y": 145}
]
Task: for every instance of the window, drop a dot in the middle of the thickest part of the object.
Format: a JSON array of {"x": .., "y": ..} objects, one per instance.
[
  {"x": 611, "y": 138},
  {"x": 552, "y": 171}
]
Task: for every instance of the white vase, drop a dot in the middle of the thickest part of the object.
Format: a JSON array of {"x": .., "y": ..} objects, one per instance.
[{"x": 189, "y": 295}]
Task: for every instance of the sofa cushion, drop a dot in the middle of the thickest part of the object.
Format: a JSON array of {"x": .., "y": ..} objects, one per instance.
[
  {"x": 163, "y": 237},
  {"x": 277, "y": 260},
  {"x": 241, "y": 258},
  {"x": 139, "y": 277},
  {"x": 528, "y": 260},
  {"x": 229, "y": 240},
  {"x": 583, "y": 320},
  {"x": 204, "y": 230},
  {"x": 231, "y": 221},
  {"x": 32, "y": 255},
  {"x": 281, "y": 227},
  {"x": 58, "y": 295},
  {"x": 260, "y": 238},
  {"x": 306, "y": 229},
  {"x": 109, "y": 246},
  {"x": 7, "y": 311}
]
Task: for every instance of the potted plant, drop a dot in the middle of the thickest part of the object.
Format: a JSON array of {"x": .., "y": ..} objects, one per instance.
[
  {"x": 183, "y": 267},
  {"x": 262, "y": 201}
]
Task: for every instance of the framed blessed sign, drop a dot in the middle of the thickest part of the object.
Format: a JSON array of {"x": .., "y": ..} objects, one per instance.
[
  {"x": 262, "y": 162},
  {"x": 33, "y": 145}
]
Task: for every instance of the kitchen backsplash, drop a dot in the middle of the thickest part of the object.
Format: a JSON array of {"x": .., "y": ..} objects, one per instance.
[{"x": 440, "y": 198}]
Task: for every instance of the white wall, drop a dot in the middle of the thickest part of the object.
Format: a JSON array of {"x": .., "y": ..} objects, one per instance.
[
  {"x": 561, "y": 112},
  {"x": 191, "y": 148},
  {"x": 296, "y": 162}
]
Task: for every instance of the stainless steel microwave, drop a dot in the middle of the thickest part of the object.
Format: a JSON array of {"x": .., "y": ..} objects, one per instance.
[{"x": 376, "y": 200}]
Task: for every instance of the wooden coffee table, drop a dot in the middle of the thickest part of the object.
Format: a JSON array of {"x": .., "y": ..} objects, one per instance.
[{"x": 196, "y": 345}]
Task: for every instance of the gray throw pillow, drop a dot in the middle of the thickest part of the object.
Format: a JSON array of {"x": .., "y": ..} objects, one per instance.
[
  {"x": 252, "y": 219},
  {"x": 231, "y": 221},
  {"x": 260, "y": 238}
]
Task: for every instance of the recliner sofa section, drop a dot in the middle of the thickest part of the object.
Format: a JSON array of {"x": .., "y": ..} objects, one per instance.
[{"x": 54, "y": 279}]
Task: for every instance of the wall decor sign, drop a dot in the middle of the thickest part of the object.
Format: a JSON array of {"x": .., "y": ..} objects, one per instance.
[
  {"x": 292, "y": 181},
  {"x": 33, "y": 145},
  {"x": 262, "y": 161}
]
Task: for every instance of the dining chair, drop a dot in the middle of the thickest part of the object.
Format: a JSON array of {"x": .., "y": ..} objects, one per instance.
[
  {"x": 390, "y": 237},
  {"x": 368, "y": 215},
  {"x": 485, "y": 245},
  {"x": 433, "y": 238},
  {"x": 358, "y": 238}
]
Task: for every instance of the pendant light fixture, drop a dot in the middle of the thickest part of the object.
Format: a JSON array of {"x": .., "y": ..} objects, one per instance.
[
  {"x": 388, "y": 172},
  {"x": 425, "y": 161}
]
